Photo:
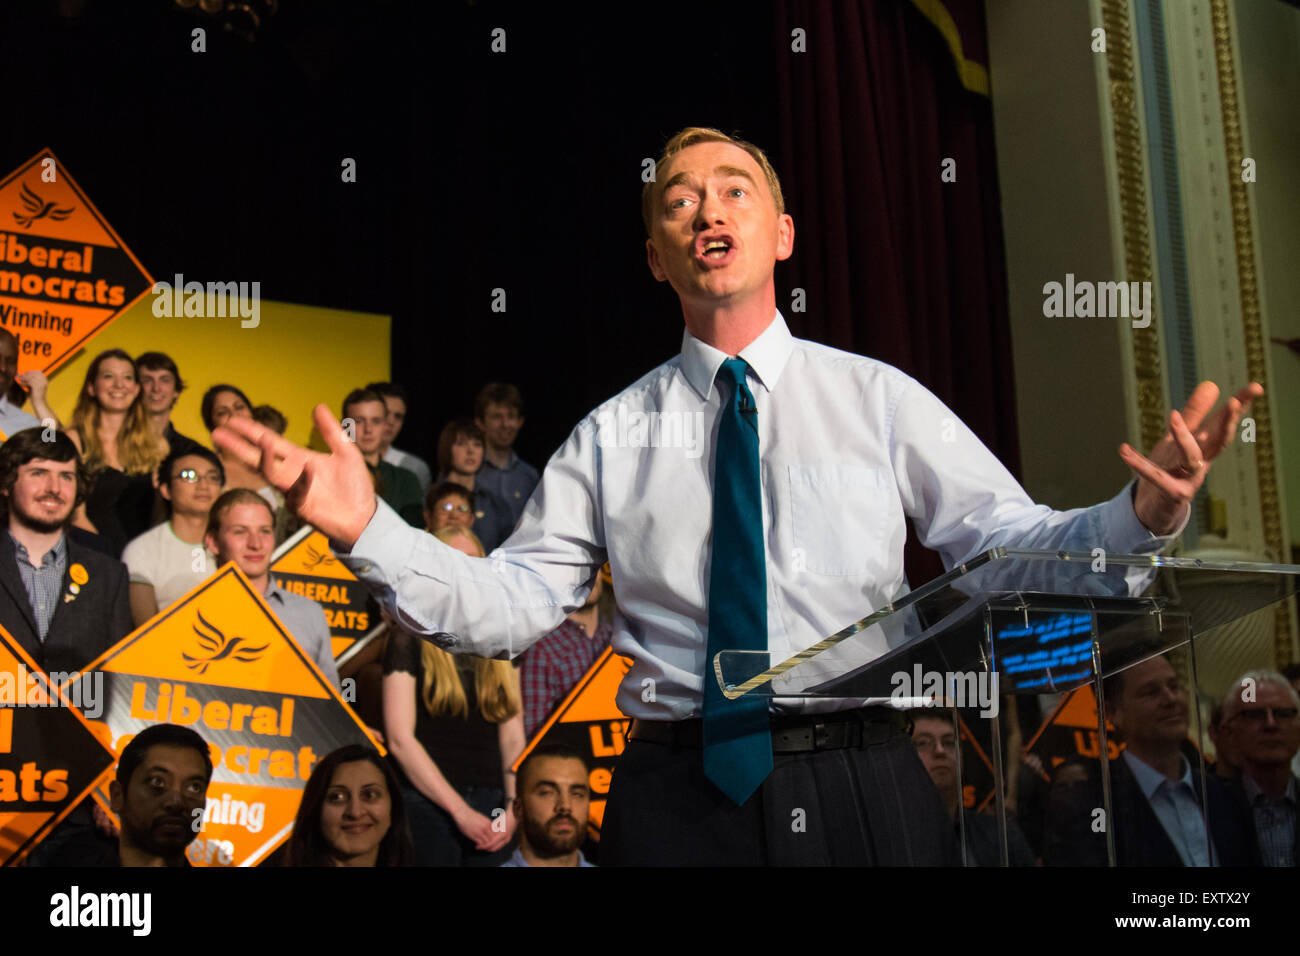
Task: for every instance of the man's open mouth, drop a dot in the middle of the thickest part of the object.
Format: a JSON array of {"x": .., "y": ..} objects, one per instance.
[{"x": 715, "y": 250}]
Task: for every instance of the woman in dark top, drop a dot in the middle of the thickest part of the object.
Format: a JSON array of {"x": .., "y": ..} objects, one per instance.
[
  {"x": 351, "y": 814},
  {"x": 454, "y": 725},
  {"x": 120, "y": 450}
]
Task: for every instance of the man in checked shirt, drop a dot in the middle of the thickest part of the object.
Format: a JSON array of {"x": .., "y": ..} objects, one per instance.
[{"x": 555, "y": 664}]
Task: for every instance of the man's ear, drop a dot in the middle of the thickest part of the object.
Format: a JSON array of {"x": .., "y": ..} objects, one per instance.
[
  {"x": 163, "y": 488},
  {"x": 210, "y": 543},
  {"x": 784, "y": 237},
  {"x": 652, "y": 260},
  {"x": 116, "y": 799}
]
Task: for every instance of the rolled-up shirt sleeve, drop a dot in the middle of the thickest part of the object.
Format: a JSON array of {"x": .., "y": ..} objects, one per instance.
[{"x": 499, "y": 605}]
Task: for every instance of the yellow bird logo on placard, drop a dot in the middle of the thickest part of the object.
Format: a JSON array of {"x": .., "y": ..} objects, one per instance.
[
  {"x": 37, "y": 208},
  {"x": 219, "y": 647},
  {"x": 315, "y": 559}
]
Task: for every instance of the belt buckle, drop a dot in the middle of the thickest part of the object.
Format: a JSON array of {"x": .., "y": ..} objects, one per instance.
[{"x": 820, "y": 737}]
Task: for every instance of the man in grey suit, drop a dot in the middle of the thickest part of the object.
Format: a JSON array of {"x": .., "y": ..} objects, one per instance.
[{"x": 64, "y": 603}]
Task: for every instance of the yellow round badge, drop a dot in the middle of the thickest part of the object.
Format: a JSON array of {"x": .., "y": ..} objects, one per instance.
[{"x": 78, "y": 574}]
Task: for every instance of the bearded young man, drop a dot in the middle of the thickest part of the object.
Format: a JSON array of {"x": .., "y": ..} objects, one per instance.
[
  {"x": 552, "y": 807},
  {"x": 63, "y": 602},
  {"x": 789, "y": 525}
]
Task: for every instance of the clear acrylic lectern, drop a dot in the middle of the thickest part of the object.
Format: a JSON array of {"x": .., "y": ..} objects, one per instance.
[{"x": 1070, "y": 657}]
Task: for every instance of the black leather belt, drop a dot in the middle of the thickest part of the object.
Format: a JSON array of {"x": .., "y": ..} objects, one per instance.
[{"x": 805, "y": 733}]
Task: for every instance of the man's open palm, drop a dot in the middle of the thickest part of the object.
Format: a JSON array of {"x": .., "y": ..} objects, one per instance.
[
  {"x": 333, "y": 492},
  {"x": 1178, "y": 464}
]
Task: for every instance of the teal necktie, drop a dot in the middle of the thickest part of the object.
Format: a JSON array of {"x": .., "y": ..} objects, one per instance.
[{"x": 737, "y": 735}]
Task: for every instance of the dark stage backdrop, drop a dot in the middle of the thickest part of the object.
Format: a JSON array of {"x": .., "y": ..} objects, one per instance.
[{"x": 521, "y": 171}]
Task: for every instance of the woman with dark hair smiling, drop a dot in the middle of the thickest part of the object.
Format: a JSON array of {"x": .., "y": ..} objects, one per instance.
[{"x": 348, "y": 815}]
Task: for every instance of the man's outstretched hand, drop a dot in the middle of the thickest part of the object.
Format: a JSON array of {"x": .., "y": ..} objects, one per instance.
[
  {"x": 334, "y": 492},
  {"x": 1179, "y": 462}
]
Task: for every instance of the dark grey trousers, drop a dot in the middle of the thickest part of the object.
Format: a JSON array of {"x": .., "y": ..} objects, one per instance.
[{"x": 870, "y": 806}]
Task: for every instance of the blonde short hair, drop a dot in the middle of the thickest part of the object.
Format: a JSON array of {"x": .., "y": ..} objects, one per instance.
[{"x": 691, "y": 136}]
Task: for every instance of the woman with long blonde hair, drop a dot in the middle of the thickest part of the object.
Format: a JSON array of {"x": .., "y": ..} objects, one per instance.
[
  {"x": 454, "y": 725},
  {"x": 111, "y": 430}
]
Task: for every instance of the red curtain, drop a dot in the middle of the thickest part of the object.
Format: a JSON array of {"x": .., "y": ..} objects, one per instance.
[{"x": 897, "y": 263}]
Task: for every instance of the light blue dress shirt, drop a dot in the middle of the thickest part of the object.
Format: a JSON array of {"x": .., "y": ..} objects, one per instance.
[
  {"x": 517, "y": 859},
  {"x": 1177, "y": 808},
  {"x": 14, "y": 419},
  {"x": 305, "y": 620},
  {"x": 849, "y": 446}
]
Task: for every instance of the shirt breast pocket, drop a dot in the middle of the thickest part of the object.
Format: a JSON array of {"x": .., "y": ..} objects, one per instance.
[{"x": 838, "y": 514}]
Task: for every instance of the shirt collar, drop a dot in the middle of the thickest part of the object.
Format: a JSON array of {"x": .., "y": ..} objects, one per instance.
[
  {"x": 1253, "y": 791},
  {"x": 272, "y": 590},
  {"x": 767, "y": 355},
  {"x": 517, "y": 858},
  {"x": 1150, "y": 779},
  {"x": 55, "y": 553},
  {"x": 511, "y": 460}
]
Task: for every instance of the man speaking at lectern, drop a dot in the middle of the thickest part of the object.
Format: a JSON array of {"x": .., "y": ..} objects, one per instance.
[{"x": 763, "y": 508}]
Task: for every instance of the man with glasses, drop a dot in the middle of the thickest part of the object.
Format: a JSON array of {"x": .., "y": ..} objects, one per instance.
[
  {"x": 1261, "y": 715},
  {"x": 936, "y": 744},
  {"x": 448, "y": 505},
  {"x": 170, "y": 558}
]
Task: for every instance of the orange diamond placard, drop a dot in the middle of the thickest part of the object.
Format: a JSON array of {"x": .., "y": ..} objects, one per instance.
[
  {"x": 306, "y": 566},
  {"x": 49, "y": 756},
  {"x": 64, "y": 273},
  {"x": 219, "y": 661}
]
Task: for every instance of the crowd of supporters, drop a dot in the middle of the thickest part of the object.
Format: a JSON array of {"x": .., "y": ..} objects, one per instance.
[{"x": 148, "y": 513}]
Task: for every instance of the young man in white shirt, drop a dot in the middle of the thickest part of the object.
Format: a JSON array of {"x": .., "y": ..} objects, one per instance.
[
  {"x": 847, "y": 448},
  {"x": 170, "y": 558}
]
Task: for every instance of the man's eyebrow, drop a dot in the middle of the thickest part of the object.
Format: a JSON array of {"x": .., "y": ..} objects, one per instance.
[
  {"x": 683, "y": 177},
  {"x": 733, "y": 171}
]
